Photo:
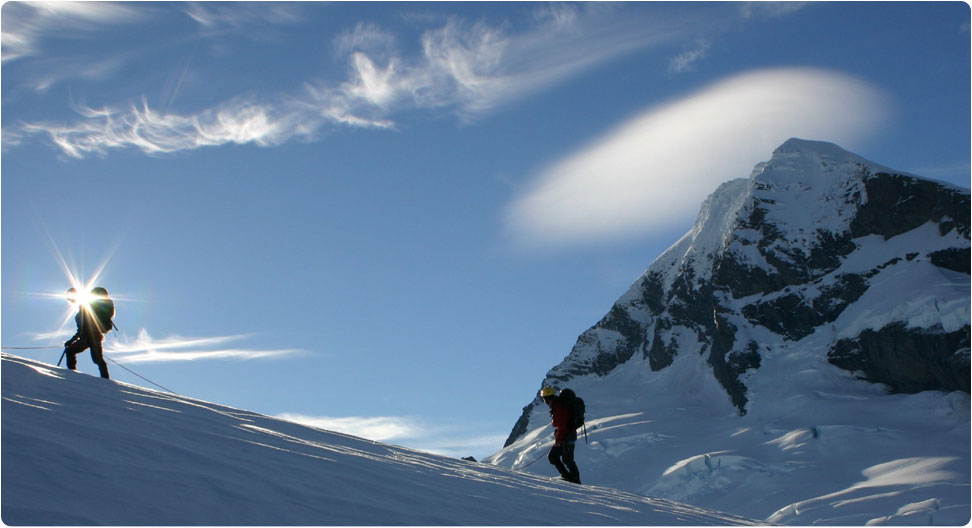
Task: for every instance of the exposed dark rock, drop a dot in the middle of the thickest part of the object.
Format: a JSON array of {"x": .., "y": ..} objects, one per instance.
[
  {"x": 836, "y": 297},
  {"x": 652, "y": 292},
  {"x": 661, "y": 355},
  {"x": 794, "y": 317},
  {"x": 520, "y": 427},
  {"x": 743, "y": 280},
  {"x": 723, "y": 338},
  {"x": 955, "y": 259},
  {"x": 788, "y": 315},
  {"x": 632, "y": 334},
  {"x": 741, "y": 361},
  {"x": 906, "y": 359},
  {"x": 897, "y": 204}
]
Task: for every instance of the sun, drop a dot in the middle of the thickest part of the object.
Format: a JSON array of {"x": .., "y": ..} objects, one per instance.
[
  {"x": 82, "y": 297},
  {"x": 79, "y": 296}
]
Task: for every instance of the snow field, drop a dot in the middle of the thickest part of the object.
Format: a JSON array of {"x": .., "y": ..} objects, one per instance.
[
  {"x": 79, "y": 450},
  {"x": 818, "y": 447}
]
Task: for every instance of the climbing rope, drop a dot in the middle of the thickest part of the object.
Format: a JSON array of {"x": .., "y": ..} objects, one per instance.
[
  {"x": 139, "y": 375},
  {"x": 532, "y": 463}
]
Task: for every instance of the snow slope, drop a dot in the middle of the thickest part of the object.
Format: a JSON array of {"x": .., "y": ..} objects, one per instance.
[
  {"x": 830, "y": 450},
  {"x": 79, "y": 450}
]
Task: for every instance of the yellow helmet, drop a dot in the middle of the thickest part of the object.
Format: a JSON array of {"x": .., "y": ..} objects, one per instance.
[{"x": 547, "y": 392}]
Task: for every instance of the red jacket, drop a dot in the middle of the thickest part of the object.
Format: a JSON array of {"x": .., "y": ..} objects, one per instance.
[{"x": 562, "y": 433}]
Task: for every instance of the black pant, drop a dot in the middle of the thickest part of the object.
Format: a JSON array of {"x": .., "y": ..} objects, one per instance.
[
  {"x": 83, "y": 343},
  {"x": 562, "y": 457}
]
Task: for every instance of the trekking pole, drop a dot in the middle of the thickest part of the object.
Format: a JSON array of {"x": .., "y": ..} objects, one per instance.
[
  {"x": 38, "y": 348},
  {"x": 65, "y": 352},
  {"x": 585, "y": 434}
]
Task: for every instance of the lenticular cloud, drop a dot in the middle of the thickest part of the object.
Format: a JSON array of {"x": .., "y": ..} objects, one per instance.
[{"x": 656, "y": 169}]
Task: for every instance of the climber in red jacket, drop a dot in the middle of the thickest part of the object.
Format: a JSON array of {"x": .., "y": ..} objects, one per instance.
[{"x": 562, "y": 453}]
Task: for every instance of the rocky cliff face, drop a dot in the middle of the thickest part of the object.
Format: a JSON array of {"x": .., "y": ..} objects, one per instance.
[{"x": 816, "y": 242}]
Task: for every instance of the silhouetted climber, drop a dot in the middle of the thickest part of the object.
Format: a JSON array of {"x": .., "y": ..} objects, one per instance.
[{"x": 93, "y": 321}]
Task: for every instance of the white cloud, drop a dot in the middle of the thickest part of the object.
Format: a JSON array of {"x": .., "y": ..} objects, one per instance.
[
  {"x": 145, "y": 349},
  {"x": 685, "y": 61},
  {"x": 240, "y": 120},
  {"x": 364, "y": 37},
  {"x": 378, "y": 428},
  {"x": 487, "y": 66},
  {"x": 25, "y": 24},
  {"x": 218, "y": 16},
  {"x": 379, "y": 86},
  {"x": 60, "y": 333},
  {"x": 470, "y": 69},
  {"x": 457, "y": 445},
  {"x": 448, "y": 440},
  {"x": 770, "y": 9},
  {"x": 655, "y": 169}
]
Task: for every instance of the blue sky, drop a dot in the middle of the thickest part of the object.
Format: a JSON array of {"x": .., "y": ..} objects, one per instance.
[{"x": 393, "y": 218}]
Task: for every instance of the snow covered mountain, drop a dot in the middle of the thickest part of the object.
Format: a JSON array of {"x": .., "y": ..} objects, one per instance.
[
  {"x": 800, "y": 356},
  {"x": 79, "y": 450}
]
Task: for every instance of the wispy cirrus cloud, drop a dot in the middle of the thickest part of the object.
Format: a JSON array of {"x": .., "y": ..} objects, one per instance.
[
  {"x": 366, "y": 37},
  {"x": 448, "y": 440},
  {"x": 655, "y": 169},
  {"x": 216, "y": 16},
  {"x": 26, "y": 24},
  {"x": 770, "y": 9},
  {"x": 686, "y": 60},
  {"x": 145, "y": 349},
  {"x": 468, "y": 68},
  {"x": 241, "y": 120},
  {"x": 378, "y": 428}
]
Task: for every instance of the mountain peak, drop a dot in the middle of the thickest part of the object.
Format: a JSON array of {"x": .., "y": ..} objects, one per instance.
[
  {"x": 814, "y": 163},
  {"x": 822, "y": 281},
  {"x": 823, "y": 148}
]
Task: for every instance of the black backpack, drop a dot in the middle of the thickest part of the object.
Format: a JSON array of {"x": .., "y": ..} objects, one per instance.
[
  {"x": 103, "y": 310},
  {"x": 575, "y": 409}
]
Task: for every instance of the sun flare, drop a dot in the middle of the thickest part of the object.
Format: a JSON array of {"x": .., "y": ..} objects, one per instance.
[
  {"x": 79, "y": 295},
  {"x": 82, "y": 297}
]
